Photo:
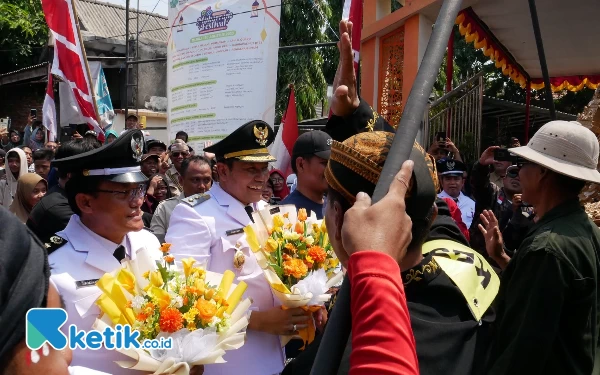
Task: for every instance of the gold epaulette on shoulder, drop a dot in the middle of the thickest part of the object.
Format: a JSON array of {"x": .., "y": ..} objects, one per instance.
[
  {"x": 196, "y": 199},
  {"x": 469, "y": 271},
  {"x": 54, "y": 242}
]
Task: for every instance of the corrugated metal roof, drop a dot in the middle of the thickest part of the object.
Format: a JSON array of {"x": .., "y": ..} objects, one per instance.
[{"x": 105, "y": 20}]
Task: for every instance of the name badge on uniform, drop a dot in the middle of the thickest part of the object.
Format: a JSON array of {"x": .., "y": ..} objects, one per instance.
[
  {"x": 86, "y": 283},
  {"x": 274, "y": 210},
  {"x": 231, "y": 232}
]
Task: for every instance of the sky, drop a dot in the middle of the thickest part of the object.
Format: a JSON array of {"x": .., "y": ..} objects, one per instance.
[{"x": 147, "y": 5}]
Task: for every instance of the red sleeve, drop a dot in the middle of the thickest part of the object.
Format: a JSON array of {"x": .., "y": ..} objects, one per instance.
[{"x": 382, "y": 338}]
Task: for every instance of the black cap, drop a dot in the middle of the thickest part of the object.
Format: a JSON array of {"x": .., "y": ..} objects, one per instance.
[
  {"x": 151, "y": 142},
  {"x": 451, "y": 167},
  {"x": 247, "y": 143},
  {"x": 118, "y": 161},
  {"x": 148, "y": 156},
  {"x": 132, "y": 115},
  {"x": 314, "y": 142}
]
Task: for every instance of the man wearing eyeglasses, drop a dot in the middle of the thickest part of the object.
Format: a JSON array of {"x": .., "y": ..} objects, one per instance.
[
  {"x": 505, "y": 201},
  {"x": 178, "y": 152},
  {"x": 105, "y": 191}
]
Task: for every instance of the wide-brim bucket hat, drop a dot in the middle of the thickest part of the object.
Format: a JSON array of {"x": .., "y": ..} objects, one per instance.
[{"x": 565, "y": 147}]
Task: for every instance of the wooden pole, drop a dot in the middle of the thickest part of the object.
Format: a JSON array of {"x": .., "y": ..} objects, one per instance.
[{"x": 527, "y": 109}]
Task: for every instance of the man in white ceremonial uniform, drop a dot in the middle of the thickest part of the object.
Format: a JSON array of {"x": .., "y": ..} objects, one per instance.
[
  {"x": 452, "y": 181},
  {"x": 209, "y": 227},
  {"x": 106, "y": 191},
  {"x": 196, "y": 178}
]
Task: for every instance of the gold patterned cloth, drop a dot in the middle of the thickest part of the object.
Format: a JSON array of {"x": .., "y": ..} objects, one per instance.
[{"x": 356, "y": 164}]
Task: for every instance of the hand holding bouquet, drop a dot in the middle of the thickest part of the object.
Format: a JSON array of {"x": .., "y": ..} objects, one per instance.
[
  {"x": 296, "y": 256},
  {"x": 199, "y": 310}
]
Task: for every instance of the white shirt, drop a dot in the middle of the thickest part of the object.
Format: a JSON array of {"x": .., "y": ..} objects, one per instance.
[
  {"x": 87, "y": 256},
  {"x": 210, "y": 232},
  {"x": 465, "y": 204}
]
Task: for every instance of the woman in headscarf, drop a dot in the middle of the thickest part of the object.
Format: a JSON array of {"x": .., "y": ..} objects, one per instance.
[
  {"x": 16, "y": 166},
  {"x": 111, "y": 135},
  {"x": 37, "y": 140},
  {"x": 280, "y": 189},
  {"x": 158, "y": 191},
  {"x": 31, "y": 187},
  {"x": 15, "y": 140}
]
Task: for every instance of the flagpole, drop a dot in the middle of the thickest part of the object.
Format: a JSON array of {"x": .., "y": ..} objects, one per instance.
[{"x": 87, "y": 67}]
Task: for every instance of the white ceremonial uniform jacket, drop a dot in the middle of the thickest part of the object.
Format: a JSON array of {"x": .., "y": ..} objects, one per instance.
[
  {"x": 211, "y": 232},
  {"x": 87, "y": 256},
  {"x": 466, "y": 206}
]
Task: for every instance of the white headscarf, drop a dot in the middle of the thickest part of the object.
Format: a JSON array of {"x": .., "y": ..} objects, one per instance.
[{"x": 9, "y": 188}]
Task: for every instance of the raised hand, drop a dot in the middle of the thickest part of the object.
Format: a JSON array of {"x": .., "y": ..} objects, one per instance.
[
  {"x": 494, "y": 244},
  {"x": 345, "y": 97}
]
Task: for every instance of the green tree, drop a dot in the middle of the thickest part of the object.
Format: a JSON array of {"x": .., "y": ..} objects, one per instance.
[
  {"x": 23, "y": 34},
  {"x": 302, "y": 22}
]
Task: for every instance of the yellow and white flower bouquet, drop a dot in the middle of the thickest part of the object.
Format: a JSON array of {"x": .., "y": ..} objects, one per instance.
[
  {"x": 200, "y": 311},
  {"x": 294, "y": 251}
]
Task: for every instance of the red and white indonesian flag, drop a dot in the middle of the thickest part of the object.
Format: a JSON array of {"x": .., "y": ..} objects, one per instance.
[
  {"x": 49, "y": 111},
  {"x": 69, "y": 63},
  {"x": 286, "y": 137}
]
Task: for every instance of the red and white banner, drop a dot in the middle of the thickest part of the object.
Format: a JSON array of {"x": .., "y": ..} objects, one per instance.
[
  {"x": 353, "y": 11},
  {"x": 49, "y": 111},
  {"x": 286, "y": 137},
  {"x": 69, "y": 63}
]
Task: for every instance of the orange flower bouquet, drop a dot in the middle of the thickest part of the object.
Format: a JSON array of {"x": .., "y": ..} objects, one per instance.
[
  {"x": 294, "y": 251},
  {"x": 200, "y": 311}
]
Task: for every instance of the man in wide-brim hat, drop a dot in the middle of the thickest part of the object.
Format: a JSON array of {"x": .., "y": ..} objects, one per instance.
[{"x": 548, "y": 302}]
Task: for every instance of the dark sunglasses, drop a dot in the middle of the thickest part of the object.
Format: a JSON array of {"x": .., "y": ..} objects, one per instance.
[
  {"x": 512, "y": 172},
  {"x": 177, "y": 154}
]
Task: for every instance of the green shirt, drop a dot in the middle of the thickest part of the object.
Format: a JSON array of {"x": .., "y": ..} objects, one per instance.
[{"x": 548, "y": 301}]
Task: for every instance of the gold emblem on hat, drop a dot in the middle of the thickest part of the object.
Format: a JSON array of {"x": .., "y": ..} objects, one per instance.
[
  {"x": 450, "y": 165},
  {"x": 137, "y": 146},
  {"x": 261, "y": 135},
  {"x": 56, "y": 240},
  {"x": 239, "y": 259}
]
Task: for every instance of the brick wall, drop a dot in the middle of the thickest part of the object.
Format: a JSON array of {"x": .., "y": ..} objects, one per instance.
[{"x": 17, "y": 101}]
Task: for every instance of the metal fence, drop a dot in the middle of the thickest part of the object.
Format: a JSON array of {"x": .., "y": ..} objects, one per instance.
[{"x": 458, "y": 113}]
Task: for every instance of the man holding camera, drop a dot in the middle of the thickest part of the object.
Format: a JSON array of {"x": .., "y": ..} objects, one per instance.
[
  {"x": 548, "y": 305},
  {"x": 505, "y": 200},
  {"x": 443, "y": 147}
]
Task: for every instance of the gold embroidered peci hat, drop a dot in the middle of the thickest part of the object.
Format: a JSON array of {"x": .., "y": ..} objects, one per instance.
[
  {"x": 247, "y": 143},
  {"x": 356, "y": 164}
]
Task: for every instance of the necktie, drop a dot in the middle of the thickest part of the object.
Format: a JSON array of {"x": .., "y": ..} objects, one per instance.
[
  {"x": 249, "y": 211},
  {"x": 455, "y": 200},
  {"x": 119, "y": 254}
]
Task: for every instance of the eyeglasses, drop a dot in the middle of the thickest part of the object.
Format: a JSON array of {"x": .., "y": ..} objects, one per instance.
[
  {"x": 131, "y": 194},
  {"x": 178, "y": 154}
]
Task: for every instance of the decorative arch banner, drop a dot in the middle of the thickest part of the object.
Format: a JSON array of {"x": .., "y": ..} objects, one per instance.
[{"x": 221, "y": 66}]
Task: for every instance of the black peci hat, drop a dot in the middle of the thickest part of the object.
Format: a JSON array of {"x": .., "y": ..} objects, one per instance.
[
  {"x": 118, "y": 161},
  {"x": 247, "y": 143},
  {"x": 450, "y": 167}
]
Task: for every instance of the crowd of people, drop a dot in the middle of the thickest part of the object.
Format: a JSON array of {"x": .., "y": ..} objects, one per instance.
[{"x": 485, "y": 266}]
